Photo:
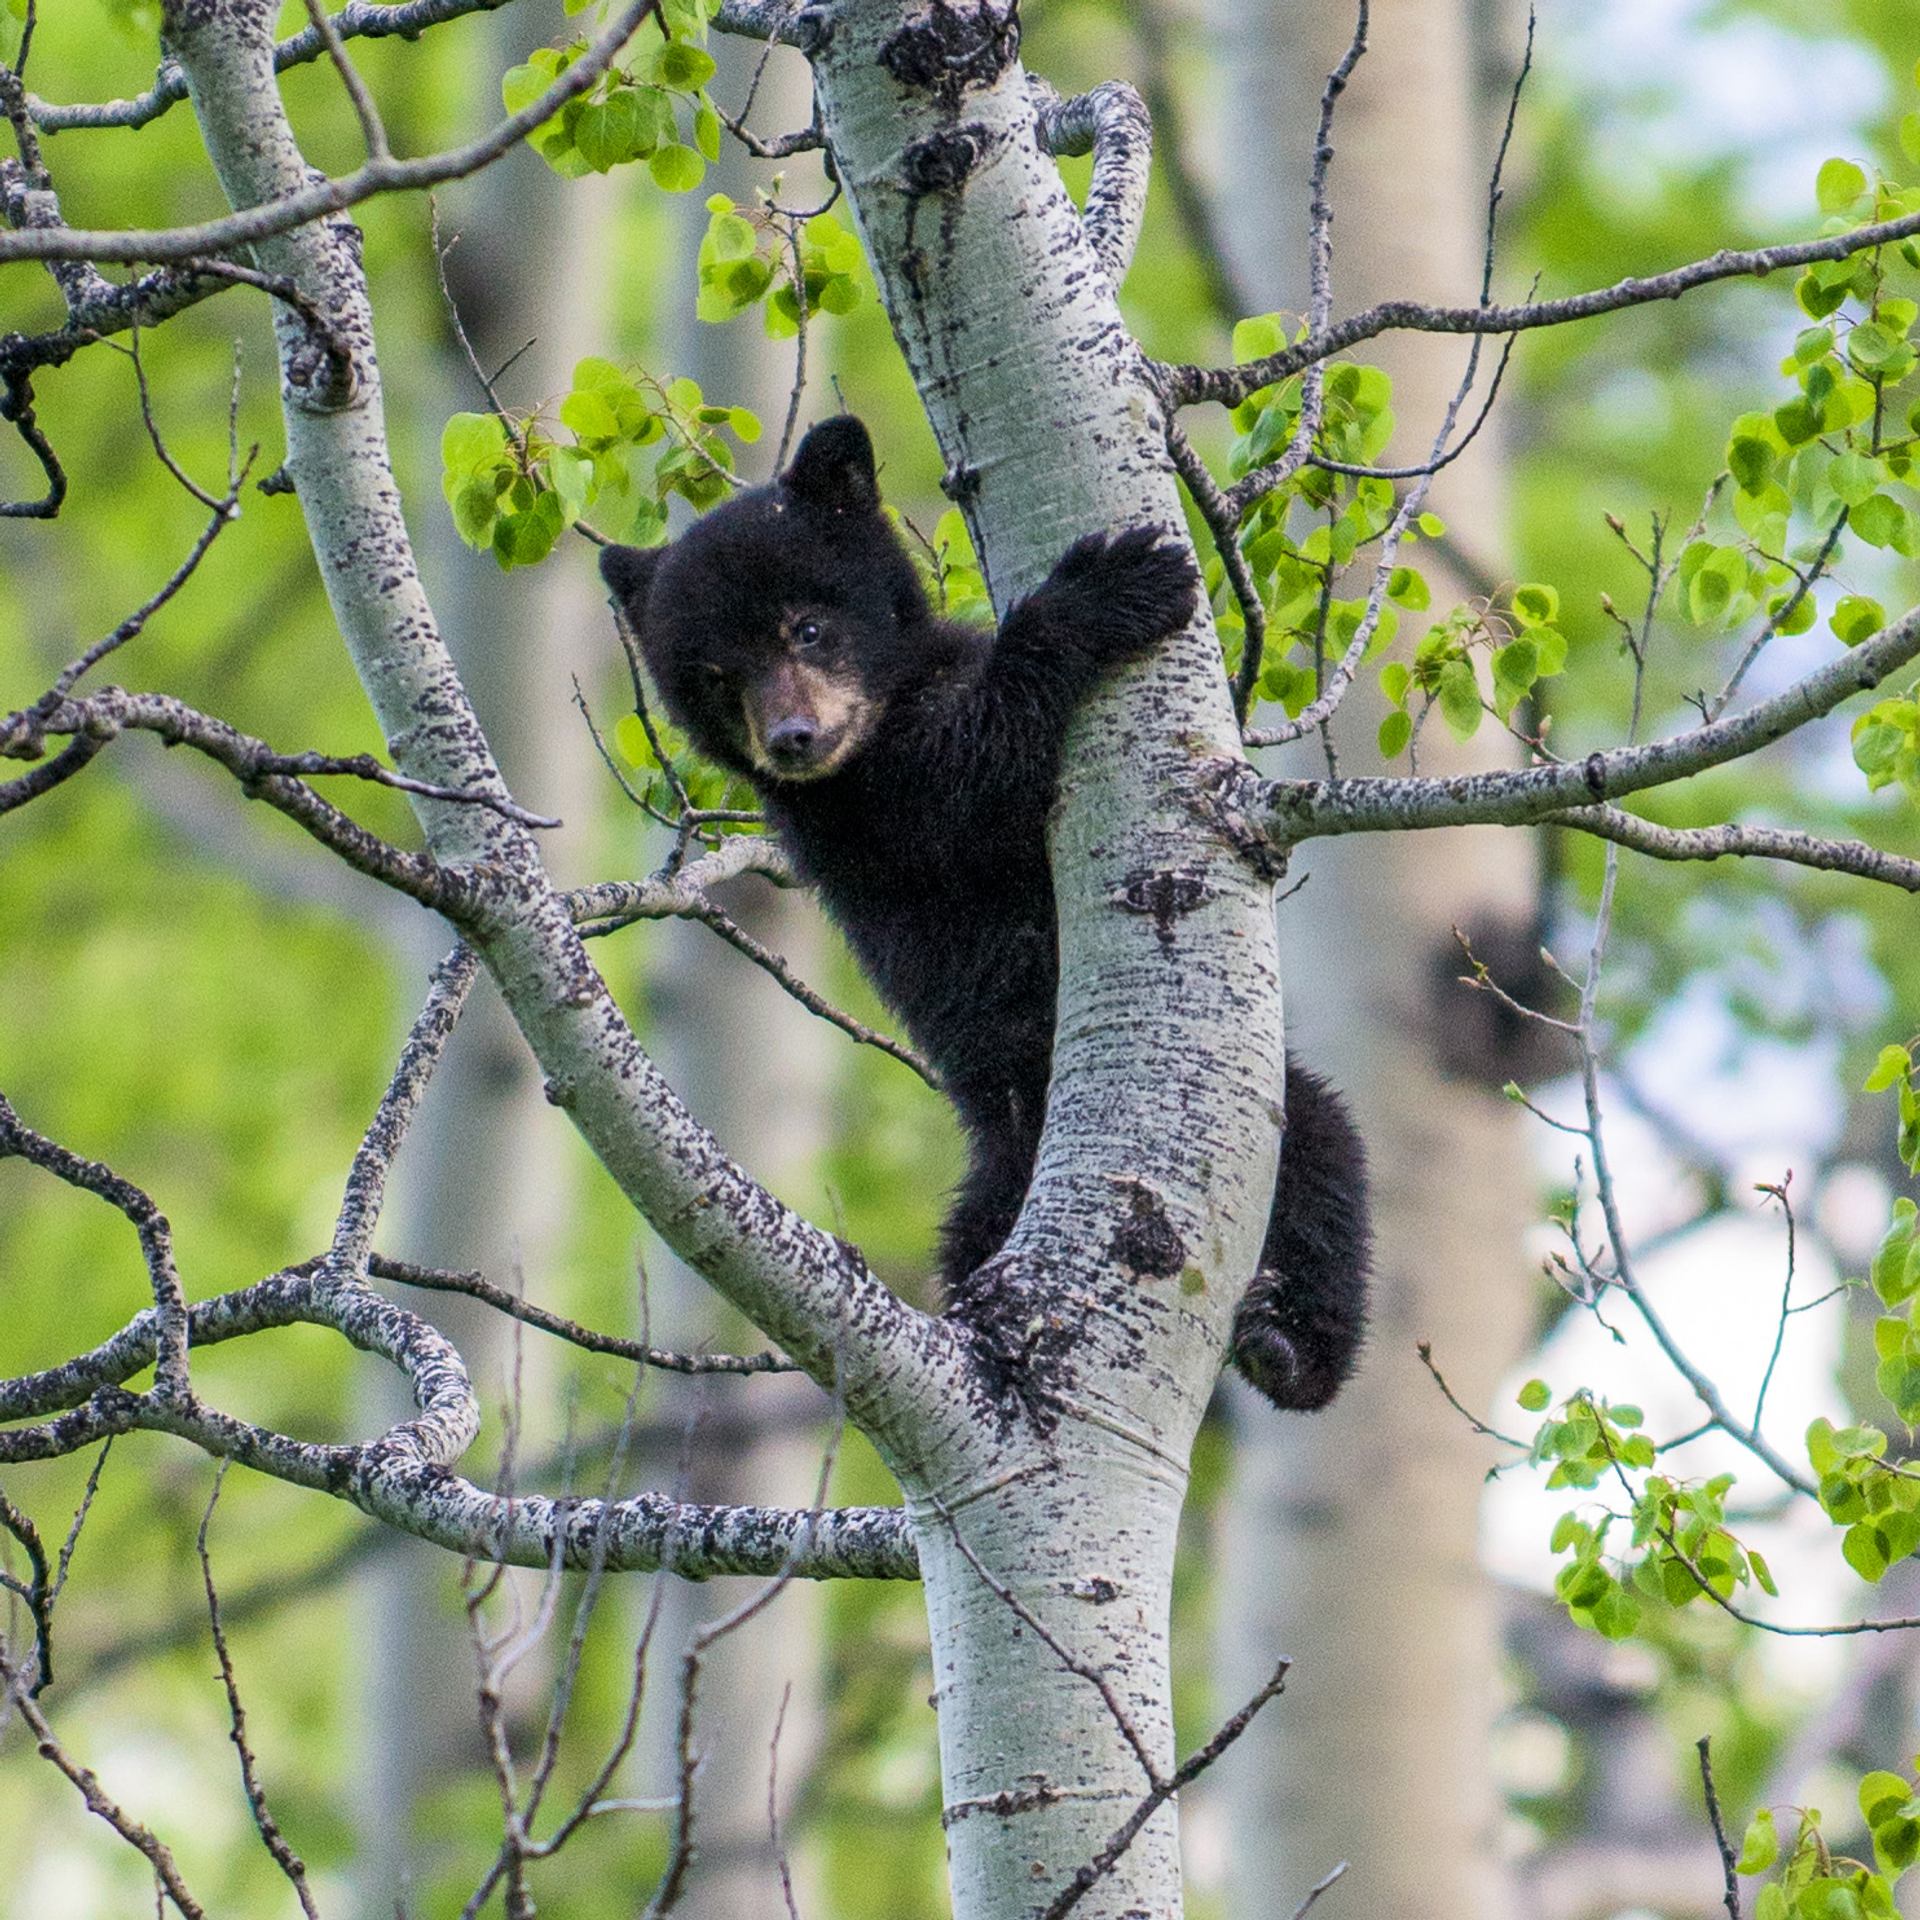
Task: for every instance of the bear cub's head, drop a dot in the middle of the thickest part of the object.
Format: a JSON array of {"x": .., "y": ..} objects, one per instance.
[{"x": 779, "y": 626}]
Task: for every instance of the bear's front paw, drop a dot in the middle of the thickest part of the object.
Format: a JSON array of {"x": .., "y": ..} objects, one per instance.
[{"x": 1125, "y": 591}]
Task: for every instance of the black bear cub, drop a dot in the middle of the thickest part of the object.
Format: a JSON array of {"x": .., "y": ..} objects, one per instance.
[{"x": 909, "y": 763}]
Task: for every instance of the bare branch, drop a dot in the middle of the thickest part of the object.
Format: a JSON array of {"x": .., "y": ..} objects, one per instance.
[
  {"x": 379, "y": 174},
  {"x": 1186, "y": 385},
  {"x": 367, "y": 1179},
  {"x": 403, "y": 1477},
  {"x": 475, "y": 1287},
  {"x": 1109, "y": 121},
  {"x": 359, "y": 19},
  {"x": 1854, "y": 857},
  {"x": 1704, "y": 1746},
  {"x": 19, "y": 1141}
]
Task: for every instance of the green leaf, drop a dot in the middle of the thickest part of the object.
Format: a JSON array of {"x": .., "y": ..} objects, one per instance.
[
  {"x": 470, "y": 441},
  {"x": 676, "y": 169},
  {"x": 745, "y": 424},
  {"x": 1853, "y": 477},
  {"x": 1535, "y": 605},
  {"x": 1407, "y": 588},
  {"x": 1535, "y": 1397},
  {"x": 521, "y": 86},
  {"x": 706, "y": 133},
  {"x": 1890, "y": 1273},
  {"x": 1838, "y": 185},
  {"x": 1857, "y": 618},
  {"x": 1395, "y": 732},
  {"x": 1870, "y": 346},
  {"x": 1751, "y": 463},
  {"x": 1891, "y": 1065},
  {"x": 573, "y": 481},
  {"x": 1258, "y": 337},
  {"x": 731, "y": 237},
  {"x": 1459, "y": 696},
  {"x": 1761, "y": 1846},
  {"x": 1865, "y": 1551},
  {"x": 475, "y": 504},
  {"x": 682, "y": 68},
  {"x": 1882, "y": 1795},
  {"x": 1879, "y": 520},
  {"x": 1394, "y": 680}
]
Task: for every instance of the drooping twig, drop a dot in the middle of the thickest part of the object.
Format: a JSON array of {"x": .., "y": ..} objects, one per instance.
[
  {"x": 99, "y": 1801},
  {"x": 271, "y": 1837},
  {"x": 475, "y": 1287}
]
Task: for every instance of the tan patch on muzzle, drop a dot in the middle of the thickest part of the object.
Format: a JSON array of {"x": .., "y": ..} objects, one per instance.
[{"x": 831, "y": 703}]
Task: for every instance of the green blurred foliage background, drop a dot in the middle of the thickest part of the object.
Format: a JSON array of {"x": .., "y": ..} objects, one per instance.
[{"x": 189, "y": 992}]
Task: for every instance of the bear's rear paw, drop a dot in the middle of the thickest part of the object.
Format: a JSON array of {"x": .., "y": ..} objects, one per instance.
[{"x": 1123, "y": 592}]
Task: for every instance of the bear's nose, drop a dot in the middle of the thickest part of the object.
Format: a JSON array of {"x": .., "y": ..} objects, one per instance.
[{"x": 792, "y": 739}]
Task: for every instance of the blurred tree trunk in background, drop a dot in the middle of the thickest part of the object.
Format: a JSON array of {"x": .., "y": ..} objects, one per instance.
[
  {"x": 489, "y": 1178},
  {"x": 758, "y": 1069},
  {"x": 1353, "y": 1532}
]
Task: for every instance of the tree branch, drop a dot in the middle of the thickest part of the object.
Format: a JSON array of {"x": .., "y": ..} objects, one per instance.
[
  {"x": 1284, "y": 812},
  {"x": 359, "y": 19},
  {"x": 288, "y": 210},
  {"x": 404, "y": 1477},
  {"x": 1109, "y": 121},
  {"x": 1187, "y": 385}
]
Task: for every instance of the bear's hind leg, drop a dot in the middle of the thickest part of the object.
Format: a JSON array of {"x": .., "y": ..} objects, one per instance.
[{"x": 1298, "y": 1331}]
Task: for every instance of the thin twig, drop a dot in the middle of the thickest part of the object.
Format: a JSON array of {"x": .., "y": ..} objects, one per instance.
[
  {"x": 271, "y": 1837},
  {"x": 475, "y": 1287},
  {"x": 1704, "y": 1747}
]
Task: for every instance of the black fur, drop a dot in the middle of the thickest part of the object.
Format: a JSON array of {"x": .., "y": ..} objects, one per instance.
[{"x": 909, "y": 762}]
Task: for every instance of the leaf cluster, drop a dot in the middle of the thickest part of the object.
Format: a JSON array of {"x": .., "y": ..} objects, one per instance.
[
  {"x": 635, "y": 442},
  {"x": 630, "y": 112},
  {"x": 790, "y": 269},
  {"x": 1815, "y": 1883}
]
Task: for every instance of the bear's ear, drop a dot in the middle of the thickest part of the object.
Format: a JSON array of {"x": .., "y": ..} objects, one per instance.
[
  {"x": 628, "y": 572},
  {"x": 834, "y": 468}
]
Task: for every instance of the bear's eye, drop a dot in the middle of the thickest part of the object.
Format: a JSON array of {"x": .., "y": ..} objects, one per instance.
[{"x": 808, "y": 634}]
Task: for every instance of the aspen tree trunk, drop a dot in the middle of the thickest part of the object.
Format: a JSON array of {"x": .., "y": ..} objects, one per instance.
[
  {"x": 1355, "y": 1531},
  {"x": 1043, "y": 1453}
]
